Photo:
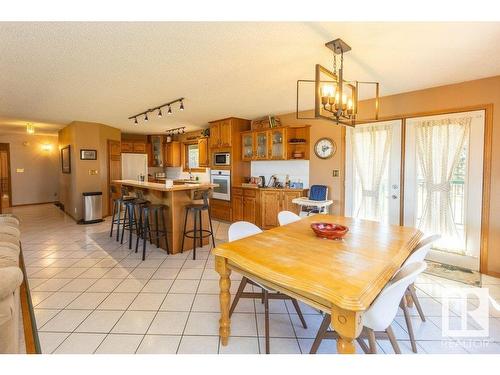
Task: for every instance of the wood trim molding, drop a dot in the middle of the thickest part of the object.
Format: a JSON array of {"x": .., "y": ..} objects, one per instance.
[
  {"x": 485, "y": 214},
  {"x": 33, "y": 204},
  {"x": 487, "y": 155},
  {"x": 29, "y": 323}
]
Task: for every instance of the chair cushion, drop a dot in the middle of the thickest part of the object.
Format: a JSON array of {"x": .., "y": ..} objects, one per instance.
[
  {"x": 9, "y": 229},
  {"x": 4, "y": 237},
  {"x": 11, "y": 277}
]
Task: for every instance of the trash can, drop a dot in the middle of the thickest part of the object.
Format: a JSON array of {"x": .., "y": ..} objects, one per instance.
[{"x": 92, "y": 207}]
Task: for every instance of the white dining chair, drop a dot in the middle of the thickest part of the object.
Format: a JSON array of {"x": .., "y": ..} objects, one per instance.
[
  {"x": 378, "y": 317},
  {"x": 287, "y": 217},
  {"x": 417, "y": 255},
  {"x": 237, "y": 231}
]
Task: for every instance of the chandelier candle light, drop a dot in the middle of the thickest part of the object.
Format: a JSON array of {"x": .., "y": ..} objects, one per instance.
[{"x": 336, "y": 99}]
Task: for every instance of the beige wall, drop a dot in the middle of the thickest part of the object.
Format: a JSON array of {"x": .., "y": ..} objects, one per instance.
[
  {"x": 451, "y": 97},
  {"x": 85, "y": 135},
  {"x": 39, "y": 181},
  {"x": 321, "y": 170}
]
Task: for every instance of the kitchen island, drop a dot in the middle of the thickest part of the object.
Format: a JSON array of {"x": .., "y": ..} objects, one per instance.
[{"x": 176, "y": 198}]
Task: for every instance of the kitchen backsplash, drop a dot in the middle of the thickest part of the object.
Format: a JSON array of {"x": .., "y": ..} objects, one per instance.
[
  {"x": 296, "y": 170},
  {"x": 176, "y": 173}
]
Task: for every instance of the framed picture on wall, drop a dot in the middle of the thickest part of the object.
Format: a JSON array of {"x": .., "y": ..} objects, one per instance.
[
  {"x": 88, "y": 154},
  {"x": 66, "y": 159}
]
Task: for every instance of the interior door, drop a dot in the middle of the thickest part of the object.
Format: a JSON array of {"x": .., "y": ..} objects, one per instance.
[
  {"x": 443, "y": 183},
  {"x": 373, "y": 171},
  {"x": 5, "y": 184}
]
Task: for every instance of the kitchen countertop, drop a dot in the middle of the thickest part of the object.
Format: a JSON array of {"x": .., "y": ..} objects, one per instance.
[
  {"x": 162, "y": 187},
  {"x": 267, "y": 188}
]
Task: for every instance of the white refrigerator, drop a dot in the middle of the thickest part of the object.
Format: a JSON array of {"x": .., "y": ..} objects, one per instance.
[{"x": 133, "y": 165}]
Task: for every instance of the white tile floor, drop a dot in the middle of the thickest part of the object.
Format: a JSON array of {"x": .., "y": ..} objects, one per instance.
[{"x": 93, "y": 295}]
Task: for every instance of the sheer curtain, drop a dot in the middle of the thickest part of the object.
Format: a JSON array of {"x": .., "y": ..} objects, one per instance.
[
  {"x": 439, "y": 144},
  {"x": 371, "y": 145}
]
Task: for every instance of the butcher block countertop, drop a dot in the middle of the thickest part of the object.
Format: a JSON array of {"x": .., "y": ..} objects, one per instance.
[{"x": 162, "y": 187}]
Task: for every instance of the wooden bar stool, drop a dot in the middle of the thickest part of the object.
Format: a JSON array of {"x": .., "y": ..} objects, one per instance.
[
  {"x": 117, "y": 217},
  {"x": 155, "y": 211},
  {"x": 198, "y": 232}
]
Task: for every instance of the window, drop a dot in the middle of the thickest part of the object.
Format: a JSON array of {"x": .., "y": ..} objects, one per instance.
[{"x": 192, "y": 156}]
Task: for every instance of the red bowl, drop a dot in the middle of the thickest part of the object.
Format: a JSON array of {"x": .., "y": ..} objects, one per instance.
[{"x": 330, "y": 231}]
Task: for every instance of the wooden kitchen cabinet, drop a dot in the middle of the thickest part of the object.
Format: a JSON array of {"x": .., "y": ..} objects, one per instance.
[
  {"x": 270, "y": 206},
  {"x": 127, "y": 147},
  {"x": 139, "y": 147},
  {"x": 220, "y": 210},
  {"x": 287, "y": 204},
  {"x": 247, "y": 146},
  {"x": 250, "y": 209},
  {"x": 225, "y": 133},
  {"x": 261, "y": 145},
  {"x": 220, "y": 134},
  {"x": 173, "y": 154},
  {"x": 274, "y": 201},
  {"x": 277, "y": 144},
  {"x": 237, "y": 203},
  {"x": 133, "y": 147},
  {"x": 244, "y": 204},
  {"x": 203, "y": 159},
  {"x": 214, "y": 140}
]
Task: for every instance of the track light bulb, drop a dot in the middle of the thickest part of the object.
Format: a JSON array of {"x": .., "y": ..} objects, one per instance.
[
  {"x": 169, "y": 110},
  {"x": 159, "y": 113},
  {"x": 182, "y": 106},
  {"x": 135, "y": 121},
  {"x": 146, "y": 117}
]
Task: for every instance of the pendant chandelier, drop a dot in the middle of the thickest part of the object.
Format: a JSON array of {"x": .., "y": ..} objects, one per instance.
[{"x": 336, "y": 99}]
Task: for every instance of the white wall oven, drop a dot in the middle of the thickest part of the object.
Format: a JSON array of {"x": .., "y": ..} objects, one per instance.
[{"x": 223, "y": 179}]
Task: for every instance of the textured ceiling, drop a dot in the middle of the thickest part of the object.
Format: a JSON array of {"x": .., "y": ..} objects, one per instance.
[{"x": 54, "y": 73}]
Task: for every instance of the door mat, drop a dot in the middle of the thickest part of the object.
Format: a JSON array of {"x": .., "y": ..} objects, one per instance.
[{"x": 446, "y": 271}]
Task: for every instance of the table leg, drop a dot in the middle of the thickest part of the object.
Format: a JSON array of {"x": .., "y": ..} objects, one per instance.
[
  {"x": 224, "y": 297},
  {"x": 348, "y": 325}
]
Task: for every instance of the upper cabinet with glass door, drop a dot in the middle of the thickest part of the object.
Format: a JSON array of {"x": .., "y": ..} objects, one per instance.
[
  {"x": 247, "y": 146},
  {"x": 261, "y": 145},
  {"x": 277, "y": 138},
  {"x": 283, "y": 143}
]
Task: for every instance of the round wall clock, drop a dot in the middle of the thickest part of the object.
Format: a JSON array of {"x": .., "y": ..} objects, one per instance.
[{"x": 325, "y": 148}]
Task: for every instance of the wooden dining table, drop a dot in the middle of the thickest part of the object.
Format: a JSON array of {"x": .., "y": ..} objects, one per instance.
[{"x": 342, "y": 277}]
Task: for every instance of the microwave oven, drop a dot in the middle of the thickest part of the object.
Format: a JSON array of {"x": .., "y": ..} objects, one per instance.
[{"x": 222, "y": 158}]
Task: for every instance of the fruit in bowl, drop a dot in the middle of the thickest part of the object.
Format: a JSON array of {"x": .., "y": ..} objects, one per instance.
[{"x": 330, "y": 231}]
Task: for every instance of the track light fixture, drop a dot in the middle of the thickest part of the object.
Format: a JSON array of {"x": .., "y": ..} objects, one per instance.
[
  {"x": 158, "y": 108},
  {"x": 174, "y": 131}
]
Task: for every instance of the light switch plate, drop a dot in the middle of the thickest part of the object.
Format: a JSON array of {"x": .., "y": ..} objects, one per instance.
[
  {"x": 92, "y": 172},
  {"x": 19, "y": 170},
  {"x": 335, "y": 173}
]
